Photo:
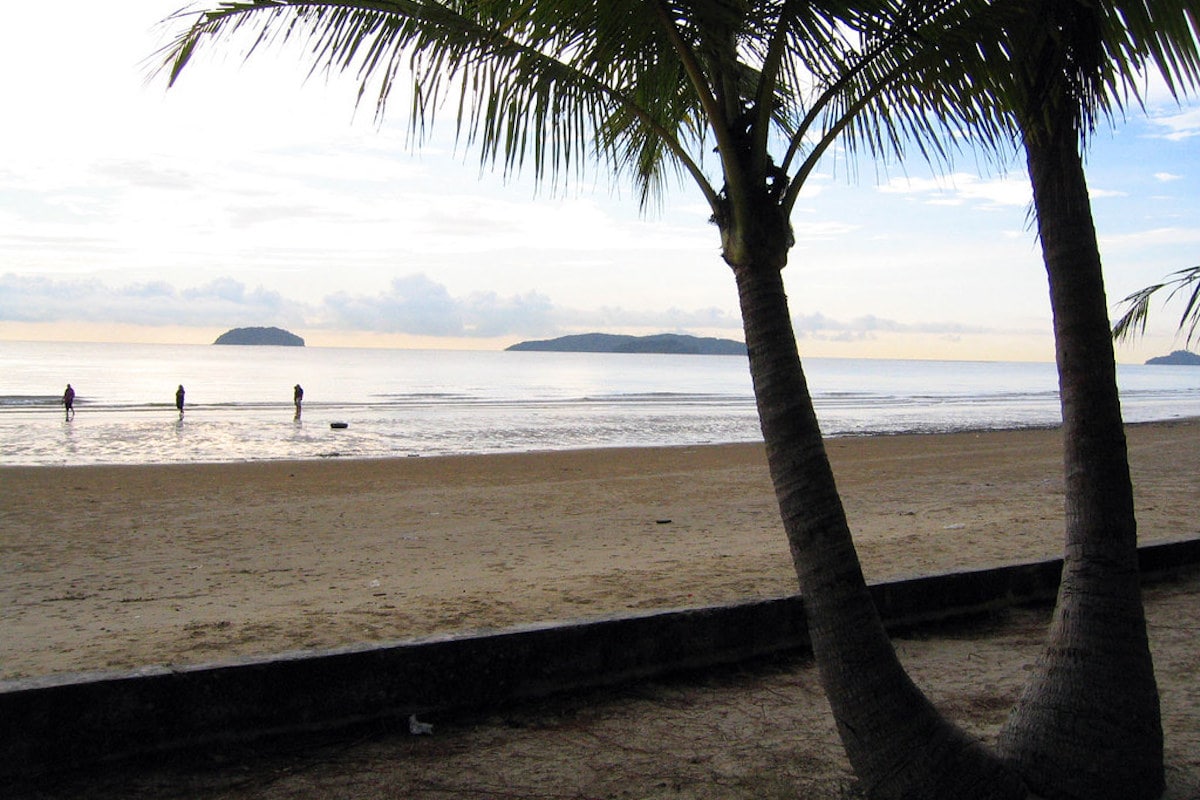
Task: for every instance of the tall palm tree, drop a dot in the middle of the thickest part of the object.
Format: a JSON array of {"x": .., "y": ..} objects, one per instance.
[
  {"x": 1056, "y": 68},
  {"x": 1088, "y": 722},
  {"x": 650, "y": 87}
]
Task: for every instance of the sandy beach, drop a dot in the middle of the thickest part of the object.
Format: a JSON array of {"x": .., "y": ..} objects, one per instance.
[
  {"x": 116, "y": 567},
  {"x": 106, "y": 568}
]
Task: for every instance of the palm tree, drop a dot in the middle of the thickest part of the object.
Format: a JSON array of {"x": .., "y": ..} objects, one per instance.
[
  {"x": 1051, "y": 70},
  {"x": 1133, "y": 322},
  {"x": 654, "y": 85},
  {"x": 1056, "y": 68}
]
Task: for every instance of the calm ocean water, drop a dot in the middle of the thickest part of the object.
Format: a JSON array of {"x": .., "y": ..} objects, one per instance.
[{"x": 405, "y": 402}]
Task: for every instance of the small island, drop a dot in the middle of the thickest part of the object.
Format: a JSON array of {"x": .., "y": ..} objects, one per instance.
[
  {"x": 669, "y": 343},
  {"x": 260, "y": 336},
  {"x": 1180, "y": 358}
]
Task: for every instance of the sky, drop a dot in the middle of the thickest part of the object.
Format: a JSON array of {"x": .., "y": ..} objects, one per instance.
[{"x": 250, "y": 194}]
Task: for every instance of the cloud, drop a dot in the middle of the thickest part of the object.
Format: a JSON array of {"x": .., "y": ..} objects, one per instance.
[
  {"x": 672, "y": 319},
  {"x": 808, "y": 232},
  {"x": 1166, "y": 177},
  {"x": 1153, "y": 237},
  {"x": 412, "y": 304},
  {"x": 961, "y": 188},
  {"x": 143, "y": 173},
  {"x": 420, "y": 306},
  {"x": 488, "y": 314},
  {"x": 222, "y": 302},
  {"x": 417, "y": 305},
  {"x": 820, "y": 327},
  {"x": 1177, "y": 127}
]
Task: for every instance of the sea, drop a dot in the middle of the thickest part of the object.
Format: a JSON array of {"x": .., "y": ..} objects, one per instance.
[{"x": 408, "y": 403}]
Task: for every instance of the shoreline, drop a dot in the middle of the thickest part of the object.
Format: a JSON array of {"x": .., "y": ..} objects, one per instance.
[
  {"x": 337, "y": 457},
  {"x": 122, "y": 566}
]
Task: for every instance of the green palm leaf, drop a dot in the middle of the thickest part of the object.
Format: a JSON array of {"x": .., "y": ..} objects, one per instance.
[{"x": 1133, "y": 322}]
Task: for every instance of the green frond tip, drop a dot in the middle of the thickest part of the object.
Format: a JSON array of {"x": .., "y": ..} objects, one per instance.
[{"x": 1133, "y": 322}]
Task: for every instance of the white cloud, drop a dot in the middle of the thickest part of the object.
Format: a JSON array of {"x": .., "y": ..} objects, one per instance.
[
  {"x": 412, "y": 304},
  {"x": 225, "y": 301},
  {"x": 961, "y": 188},
  {"x": 820, "y": 326},
  {"x": 1166, "y": 177},
  {"x": 1152, "y": 237},
  {"x": 1179, "y": 126},
  {"x": 807, "y": 232}
]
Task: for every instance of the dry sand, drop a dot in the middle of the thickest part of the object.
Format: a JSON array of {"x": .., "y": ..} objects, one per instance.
[{"x": 116, "y": 567}]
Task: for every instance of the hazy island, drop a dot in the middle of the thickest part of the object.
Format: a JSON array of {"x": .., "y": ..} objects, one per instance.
[
  {"x": 1180, "y": 358},
  {"x": 672, "y": 343},
  {"x": 261, "y": 336}
]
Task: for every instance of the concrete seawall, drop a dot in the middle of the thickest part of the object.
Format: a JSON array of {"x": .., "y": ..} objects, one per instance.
[{"x": 74, "y": 720}]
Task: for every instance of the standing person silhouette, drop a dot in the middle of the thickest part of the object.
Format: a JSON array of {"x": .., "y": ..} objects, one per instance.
[
  {"x": 69, "y": 403},
  {"x": 179, "y": 400},
  {"x": 298, "y": 398}
]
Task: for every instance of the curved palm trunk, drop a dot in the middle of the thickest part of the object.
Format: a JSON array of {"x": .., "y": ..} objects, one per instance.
[
  {"x": 898, "y": 744},
  {"x": 1087, "y": 724}
]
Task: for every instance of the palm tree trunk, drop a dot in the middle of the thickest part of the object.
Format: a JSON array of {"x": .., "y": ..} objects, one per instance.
[
  {"x": 898, "y": 744},
  {"x": 1087, "y": 725}
]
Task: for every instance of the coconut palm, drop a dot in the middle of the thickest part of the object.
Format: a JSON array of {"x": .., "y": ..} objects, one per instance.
[
  {"x": 1056, "y": 69},
  {"x": 1052, "y": 70},
  {"x": 1133, "y": 322},
  {"x": 650, "y": 87}
]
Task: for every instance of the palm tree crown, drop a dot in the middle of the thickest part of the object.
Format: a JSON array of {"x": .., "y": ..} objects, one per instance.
[{"x": 650, "y": 89}]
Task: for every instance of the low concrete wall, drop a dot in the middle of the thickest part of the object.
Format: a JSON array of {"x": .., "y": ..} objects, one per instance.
[{"x": 50, "y": 723}]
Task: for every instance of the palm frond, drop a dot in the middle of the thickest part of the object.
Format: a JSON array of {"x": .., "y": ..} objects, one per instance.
[
  {"x": 532, "y": 82},
  {"x": 1133, "y": 322}
]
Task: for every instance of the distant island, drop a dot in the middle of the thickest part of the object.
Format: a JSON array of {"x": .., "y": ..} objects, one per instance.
[
  {"x": 1180, "y": 358},
  {"x": 672, "y": 343},
  {"x": 268, "y": 336}
]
